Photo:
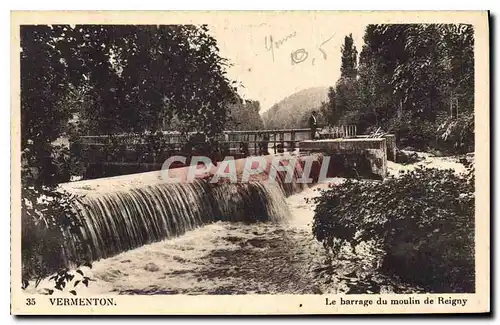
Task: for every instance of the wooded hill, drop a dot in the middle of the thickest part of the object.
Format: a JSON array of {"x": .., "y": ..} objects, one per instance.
[{"x": 294, "y": 110}]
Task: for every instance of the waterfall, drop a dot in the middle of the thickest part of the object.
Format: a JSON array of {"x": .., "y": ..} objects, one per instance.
[
  {"x": 121, "y": 218},
  {"x": 119, "y": 221}
]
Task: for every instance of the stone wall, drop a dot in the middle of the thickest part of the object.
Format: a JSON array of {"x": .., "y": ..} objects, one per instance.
[
  {"x": 391, "y": 146},
  {"x": 390, "y": 143},
  {"x": 364, "y": 157}
]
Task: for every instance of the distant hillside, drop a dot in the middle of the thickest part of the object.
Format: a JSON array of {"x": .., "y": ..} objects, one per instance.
[{"x": 294, "y": 110}]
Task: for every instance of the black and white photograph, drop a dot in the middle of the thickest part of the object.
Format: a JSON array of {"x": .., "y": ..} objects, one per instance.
[{"x": 325, "y": 154}]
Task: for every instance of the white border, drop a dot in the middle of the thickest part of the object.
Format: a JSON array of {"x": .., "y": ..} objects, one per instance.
[{"x": 215, "y": 4}]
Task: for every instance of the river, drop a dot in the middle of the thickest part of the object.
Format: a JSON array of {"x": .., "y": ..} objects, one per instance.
[{"x": 240, "y": 258}]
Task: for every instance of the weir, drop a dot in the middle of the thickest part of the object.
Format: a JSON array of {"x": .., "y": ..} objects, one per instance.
[{"x": 125, "y": 212}]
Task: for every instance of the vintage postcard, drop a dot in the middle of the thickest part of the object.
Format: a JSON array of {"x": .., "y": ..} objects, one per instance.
[{"x": 273, "y": 162}]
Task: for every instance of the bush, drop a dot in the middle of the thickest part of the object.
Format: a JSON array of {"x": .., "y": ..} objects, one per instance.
[
  {"x": 456, "y": 135},
  {"x": 51, "y": 237},
  {"x": 49, "y": 229},
  {"x": 423, "y": 221},
  {"x": 451, "y": 135},
  {"x": 413, "y": 132}
]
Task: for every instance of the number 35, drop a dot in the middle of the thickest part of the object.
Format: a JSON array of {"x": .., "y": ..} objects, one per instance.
[{"x": 30, "y": 302}]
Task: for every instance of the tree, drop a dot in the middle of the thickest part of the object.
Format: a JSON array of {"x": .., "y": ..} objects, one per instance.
[
  {"x": 348, "y": 68},
  {"x": 105, "y": 79},
  {"x": 342, "y": 100},
  {"x": 459, "y": 53},
  {"x": 118, "y": 79},
  {"x": 329, "y": 108},
  {"x": 244, "y": 115},
  {"x": 346, "y": 100},
  {"x": 43, "y": 82},
  {"x": 408, "y": 79},
  {"x": 143, "y": 75}
]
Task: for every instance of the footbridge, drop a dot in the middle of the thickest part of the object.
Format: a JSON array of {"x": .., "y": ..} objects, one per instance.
[{"x": 117, "y": 154}]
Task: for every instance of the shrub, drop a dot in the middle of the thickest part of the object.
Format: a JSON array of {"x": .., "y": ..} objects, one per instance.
[
  {"x": 66, "y": 164},
  {"x": 49, "y": 227},
  {"x": 51, "y": 237},
  {"x": 423, "y": 221},
  {"x": 456, "y": 135},
  {"x": 413, "y": 132}
]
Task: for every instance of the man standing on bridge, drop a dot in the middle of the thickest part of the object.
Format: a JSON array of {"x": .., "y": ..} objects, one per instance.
[{"x": 313, "y": 124}]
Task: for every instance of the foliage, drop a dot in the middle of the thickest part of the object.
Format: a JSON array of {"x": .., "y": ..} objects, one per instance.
[
  {"x": 101, "y": 79},
  {"x": 416, "y": 133},
  {"x": 51, "y": 236},
  {"x": 329, "y": 108},
  {"x": 450, "y": 135},
  {"x": 244, "y": 115},
  {"x": 64, "y": 278},
  {"x": 342, "y": 98},
  {"x": 407, "y": 75},
  {"x": 349, "y": 58},
  {"x": 48, "y": 221},
  {"x": 457, "y": 134},
  {"x": 43, "y": 77},
  {"x": 423, "y": 221},
  {"x": 122, "y": 78}
]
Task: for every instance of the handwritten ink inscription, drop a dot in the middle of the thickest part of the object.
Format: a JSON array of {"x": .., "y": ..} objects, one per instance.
[
  {"x": 271, "y": 44},
  {"x": 300, "y": 55},
  {"x": 297, "y": 56}
]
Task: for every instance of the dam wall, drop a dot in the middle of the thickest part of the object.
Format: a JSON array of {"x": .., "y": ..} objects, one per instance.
[
  {"x": 352, "y": 157},
  {"x": 124, "y": 212}
]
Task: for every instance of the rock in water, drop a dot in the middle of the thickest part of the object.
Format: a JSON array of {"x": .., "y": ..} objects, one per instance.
[{"x": 151, "y": 267}]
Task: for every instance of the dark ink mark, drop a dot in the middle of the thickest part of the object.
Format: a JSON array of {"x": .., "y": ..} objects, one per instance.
[
  {"x": 298, "y": 56},
  {"x": 280, "y": 42},
  {"x": 271, "y": 44},
  {"x": 300, "y": 305},
  {"x": 322, "y": 51}
]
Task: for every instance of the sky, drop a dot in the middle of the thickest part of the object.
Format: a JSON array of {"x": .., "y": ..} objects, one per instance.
[{"x": 303, "y": 53}]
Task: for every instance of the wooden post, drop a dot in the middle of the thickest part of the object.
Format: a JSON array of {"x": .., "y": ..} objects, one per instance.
[
  {"x": 255, "y": 152},
  {"x": 274, "y": 142},
  {"x": 282, "y": 144}
]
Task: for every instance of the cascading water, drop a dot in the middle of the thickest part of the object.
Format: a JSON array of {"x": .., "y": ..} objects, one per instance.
[
  {"x": 250, "y": 202},
  {"x": 116, "y": 220}
]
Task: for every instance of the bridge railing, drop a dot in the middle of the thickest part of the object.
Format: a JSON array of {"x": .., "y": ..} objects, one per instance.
[
  {"x": 174, "y": 137},
  {"x": 153, "y": 148}
]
